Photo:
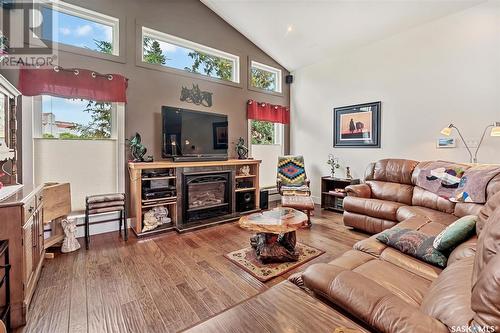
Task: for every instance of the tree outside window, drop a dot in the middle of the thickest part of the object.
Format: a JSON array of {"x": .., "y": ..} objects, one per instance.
[
  {"x": 75, "y": 119},
  {"x": 262, "y": 79},
  {"x": 263, "y": 132}
]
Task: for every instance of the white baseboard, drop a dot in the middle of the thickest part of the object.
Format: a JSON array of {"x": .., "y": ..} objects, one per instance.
[
  {"x": 100, "y": 228},
  {"x": 316, "y": 199}
]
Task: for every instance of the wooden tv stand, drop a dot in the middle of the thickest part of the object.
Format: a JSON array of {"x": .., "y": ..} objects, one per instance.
[{"x": 174, "y": 174}]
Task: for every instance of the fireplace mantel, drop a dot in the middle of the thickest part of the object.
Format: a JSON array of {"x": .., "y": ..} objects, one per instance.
[{"x": 171, "y": 175}]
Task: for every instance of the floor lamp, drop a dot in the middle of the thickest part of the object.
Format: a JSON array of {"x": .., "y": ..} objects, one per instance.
[{"x": 495, "y": 131}]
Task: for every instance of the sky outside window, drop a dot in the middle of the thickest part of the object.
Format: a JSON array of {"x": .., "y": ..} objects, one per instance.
[
  {"x": 73, "y": 30},
  {"x": 178, "y": 57},
  {"x": 68, "y": 110}
]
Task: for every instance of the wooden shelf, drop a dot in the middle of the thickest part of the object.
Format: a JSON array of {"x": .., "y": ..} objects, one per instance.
[
  {"x": 245, "y": 189},
  {"x": 160, "y": 229},
  {"x": 159, "y": 204},
  {"x": 245, "y": 176},
  {"x": 158, "y": 178},
  {"x": 160, "y": 199},
  {"x": 337, "y": 194}
]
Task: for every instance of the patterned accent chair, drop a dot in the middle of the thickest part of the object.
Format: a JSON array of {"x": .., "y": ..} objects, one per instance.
[
  {"x": 292, "y": 179},
  {"x": 293, "y": 185}
]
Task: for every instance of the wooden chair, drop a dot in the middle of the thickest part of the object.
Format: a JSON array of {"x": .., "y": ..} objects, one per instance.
[
  {"x": 105, "y": 203},
  {"x": 293, "y": 185},
  {"x": 292, "y": 178}
]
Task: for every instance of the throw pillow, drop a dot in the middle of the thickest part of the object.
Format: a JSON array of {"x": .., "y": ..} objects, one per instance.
[
  {"x": 414, "y": 243},
  {"x": 456, "y": 233}
]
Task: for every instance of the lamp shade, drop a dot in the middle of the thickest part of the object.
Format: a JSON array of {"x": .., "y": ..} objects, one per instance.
[
  {"x": 446, "y": 131},
  {"x": 495, "y": 131}
]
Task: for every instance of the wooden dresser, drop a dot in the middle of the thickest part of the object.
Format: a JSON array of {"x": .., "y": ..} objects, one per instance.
[{"x": 21, "y": 222}]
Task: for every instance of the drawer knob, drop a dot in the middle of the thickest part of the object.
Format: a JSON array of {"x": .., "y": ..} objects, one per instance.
[{"x": 30, "y": 210}]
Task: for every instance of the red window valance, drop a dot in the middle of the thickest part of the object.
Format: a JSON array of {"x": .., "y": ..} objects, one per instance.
[
  {"x": 268, "y": 112},
  {"x": 73, "y": 83}
]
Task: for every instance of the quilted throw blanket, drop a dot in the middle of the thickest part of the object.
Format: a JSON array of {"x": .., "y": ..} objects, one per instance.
[{"x": 457, "y": 182}]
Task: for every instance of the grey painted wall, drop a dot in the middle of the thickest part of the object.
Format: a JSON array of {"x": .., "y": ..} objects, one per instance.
[{"x": 149, "y": 89}]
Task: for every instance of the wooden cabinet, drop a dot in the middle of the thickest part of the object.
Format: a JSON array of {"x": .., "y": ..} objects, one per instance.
[
  {"x": 21, "y": 223},
  {"x": 33, "y": 250},
  {"x": 174, "y": 172}
]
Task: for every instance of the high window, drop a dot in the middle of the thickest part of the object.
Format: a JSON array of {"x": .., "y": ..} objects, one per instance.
[
  {"x": 62, "y": 118},
  {"x": 265, "y": 77},
  {"x": 68, "y": 24},
  {"x": 166, "y": 50}
]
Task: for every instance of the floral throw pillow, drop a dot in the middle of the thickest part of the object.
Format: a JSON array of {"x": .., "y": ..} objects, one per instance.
[
  {"x": 415, "y": 244},
  {"x": 456, "y": 233}
]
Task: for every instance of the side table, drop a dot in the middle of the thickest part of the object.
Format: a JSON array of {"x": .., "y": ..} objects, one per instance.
[{"x": 332, "y": 195}]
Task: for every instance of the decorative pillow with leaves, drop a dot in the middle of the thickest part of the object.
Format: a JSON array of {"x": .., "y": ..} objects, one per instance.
[
  {"x": 456, "y": 233},
  {"x": 415, "y": 244}
]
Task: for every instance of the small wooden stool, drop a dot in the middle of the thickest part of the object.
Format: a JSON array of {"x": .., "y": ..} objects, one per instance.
[
  {"x": 299, "y": 202},
  {"x": 105, "y": 203}
]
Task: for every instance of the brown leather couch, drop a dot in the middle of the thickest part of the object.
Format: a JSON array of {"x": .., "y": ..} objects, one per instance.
[
  {"x": 389, "y": 196},
  {"x": 393, "y": 292}
]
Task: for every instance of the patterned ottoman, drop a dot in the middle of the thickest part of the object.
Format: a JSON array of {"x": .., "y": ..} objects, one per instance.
[{"x": 304, "y": 203}]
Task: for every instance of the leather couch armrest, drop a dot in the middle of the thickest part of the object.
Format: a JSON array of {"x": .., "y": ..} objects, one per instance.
[
  {"x": 370, "y": 245},
  {"x": 359, "y": 190},
  {"x": 369, "y": 301}
]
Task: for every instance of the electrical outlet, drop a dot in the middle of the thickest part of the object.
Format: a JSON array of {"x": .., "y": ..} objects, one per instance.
[{"x": 472, "y": 143}]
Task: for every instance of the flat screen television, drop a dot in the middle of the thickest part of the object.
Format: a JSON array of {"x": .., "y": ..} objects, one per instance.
[{"x": 194, "y": 135}]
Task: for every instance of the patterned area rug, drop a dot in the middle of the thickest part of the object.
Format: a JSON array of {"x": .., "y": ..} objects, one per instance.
[{"x": 247, "y": 259}]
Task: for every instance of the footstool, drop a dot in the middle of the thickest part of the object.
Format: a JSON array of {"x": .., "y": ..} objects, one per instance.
[{"x": 299, "y": 202}]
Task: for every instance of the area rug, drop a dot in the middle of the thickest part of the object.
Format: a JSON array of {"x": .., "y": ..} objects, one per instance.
[{"x": 247, "y": 259}]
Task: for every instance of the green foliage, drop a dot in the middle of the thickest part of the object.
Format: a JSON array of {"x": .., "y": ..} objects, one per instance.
[
  {"x": 100, "y": 125},
  {"x": 211, "y": 65},
  {"x": 152, "y": 52},
  {"x": 262, "y": 132},
  {"x": 48, "y": 136},
  {"x": 263, "y": 79},
  {"x": 68, "y": 136},
  {"x": 103, "y": 46},
  {"x": 4, "y": 44}
]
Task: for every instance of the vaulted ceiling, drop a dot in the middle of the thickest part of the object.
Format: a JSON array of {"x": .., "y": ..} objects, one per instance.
[{"x": 300, "y": 32}]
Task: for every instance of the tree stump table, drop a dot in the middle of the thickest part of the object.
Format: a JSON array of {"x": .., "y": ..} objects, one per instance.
[{"x": 275, "y": 239}]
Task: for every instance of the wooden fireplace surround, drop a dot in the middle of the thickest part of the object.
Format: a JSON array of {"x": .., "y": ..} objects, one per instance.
[{"x": 138, "y": 206}]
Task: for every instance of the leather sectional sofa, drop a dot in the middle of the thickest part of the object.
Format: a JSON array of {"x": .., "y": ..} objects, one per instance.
[
  {"x": 392, "y": 292},
  {"x": 389, "y": 195}
]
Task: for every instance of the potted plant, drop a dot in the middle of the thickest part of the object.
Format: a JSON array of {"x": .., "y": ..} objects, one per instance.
[{"x": 333, "y": 162}]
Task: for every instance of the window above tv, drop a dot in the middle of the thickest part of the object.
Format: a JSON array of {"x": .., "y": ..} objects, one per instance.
[
  {"x": 79, "y": 28},
  {"x": 162, "y": 49},
  {"x": 265, "y": 77}
]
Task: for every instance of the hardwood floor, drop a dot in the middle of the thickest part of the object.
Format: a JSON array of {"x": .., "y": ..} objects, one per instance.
[{"x": 161, "y": 284}]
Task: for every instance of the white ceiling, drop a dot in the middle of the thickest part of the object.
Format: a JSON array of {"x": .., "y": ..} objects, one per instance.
[{"x": 300, "y": 32}]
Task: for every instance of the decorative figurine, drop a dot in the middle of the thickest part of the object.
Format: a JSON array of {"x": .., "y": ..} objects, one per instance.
[
  {"x": 155, "y": 217},
  {"x": 334, "y": 164},
  {"x": 70, "y": 243},
  {"x": 241, "y": 149},
  {"x": 348, "y": 173},
  {"x": 138, "y": 150},
  {"x": 245, "y": 170},
  {"x": 196, "y": 96}
]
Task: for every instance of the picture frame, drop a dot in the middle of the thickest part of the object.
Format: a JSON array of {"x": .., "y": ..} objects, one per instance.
[
  {"x": 220, "y": 135},
  {"x": 446, "y": 142},
  {"x": 357, "y": 126}
]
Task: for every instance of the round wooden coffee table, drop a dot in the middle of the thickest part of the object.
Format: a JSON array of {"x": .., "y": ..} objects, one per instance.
[{"x": 275, "y": 239}]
